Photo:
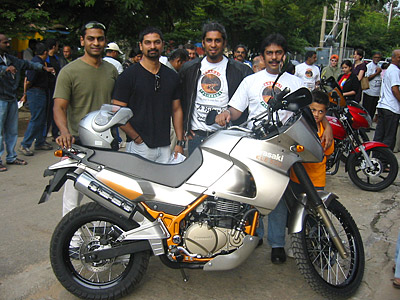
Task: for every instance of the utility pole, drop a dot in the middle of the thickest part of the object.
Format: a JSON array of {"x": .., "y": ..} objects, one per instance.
[
  {"x": 323, "y": 26},
  {"x": 390, "y": 13}
]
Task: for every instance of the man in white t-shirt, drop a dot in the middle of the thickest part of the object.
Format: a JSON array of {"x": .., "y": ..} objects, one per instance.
[
  {"x": 389, "y": 104},
  {"x": 371, "y": 95},
  {"x": 112, "y": 53},
  {"x": 254, "y": 93},
  {"x": 308, "y": 72},
  {"x": 208, "y": 84}
]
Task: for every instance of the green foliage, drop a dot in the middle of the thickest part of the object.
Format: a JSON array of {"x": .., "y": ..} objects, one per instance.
[{"x": 246, "y": 21}]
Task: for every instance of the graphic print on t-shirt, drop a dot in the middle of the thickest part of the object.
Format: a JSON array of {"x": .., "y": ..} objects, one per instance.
[
  {"x": 309, "y": 73},
  {"x": 266, "y": 92},
  {"x": 211, "y": 84}
]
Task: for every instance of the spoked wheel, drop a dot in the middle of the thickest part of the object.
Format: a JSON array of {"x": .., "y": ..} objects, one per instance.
[
  {"x": 88, "y": 228},
  {"x": 380, "y": 176},
  {"x": 318, "y": 259}
]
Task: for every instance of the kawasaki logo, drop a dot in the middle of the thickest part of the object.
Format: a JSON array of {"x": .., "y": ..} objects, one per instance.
[{"x": 265, "y": 156}]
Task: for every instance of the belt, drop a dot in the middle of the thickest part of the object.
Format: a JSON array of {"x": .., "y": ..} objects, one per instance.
[
  {"x": 38, "y": 87},
  {"x": 203, "y": 133}
]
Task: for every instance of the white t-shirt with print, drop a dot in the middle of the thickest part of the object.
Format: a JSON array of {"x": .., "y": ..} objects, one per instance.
[
  {"x": 374, "y": 84},
  {"x": 212, "y": 93},
  {"x": 255, "y": 91},
  {"x": 390, "y": 79},
  {"x": 308, "y": 74}
]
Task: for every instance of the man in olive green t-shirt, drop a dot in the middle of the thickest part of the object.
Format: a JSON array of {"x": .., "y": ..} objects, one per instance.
[{"x": 82, "y": 86}]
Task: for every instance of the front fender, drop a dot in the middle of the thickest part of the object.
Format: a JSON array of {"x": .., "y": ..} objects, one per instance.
[
  {"x": 299, "y": 211},
  {"x": 370, "y": 145}
]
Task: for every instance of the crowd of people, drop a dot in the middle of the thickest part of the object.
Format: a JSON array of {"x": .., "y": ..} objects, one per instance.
[{"x": 170, "y": 97}]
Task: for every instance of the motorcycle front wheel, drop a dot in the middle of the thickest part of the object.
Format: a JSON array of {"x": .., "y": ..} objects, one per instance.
[
  {"x": 87, "y": 228},
  {"x": 383, "y": 173},
  {"x": 318, "y": 259}
]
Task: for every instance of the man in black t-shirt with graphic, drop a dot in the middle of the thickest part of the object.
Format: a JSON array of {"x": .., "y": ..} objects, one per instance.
[{"x": 151, "y": 91}]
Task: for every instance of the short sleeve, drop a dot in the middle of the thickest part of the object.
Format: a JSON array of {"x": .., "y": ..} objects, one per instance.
[
  {"x": 63, "y": 86},
  {"x": 123, "y": 86},
  {"x": 240, "y": 99}
]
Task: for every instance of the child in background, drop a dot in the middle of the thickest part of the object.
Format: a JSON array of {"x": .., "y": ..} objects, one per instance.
[{"x": 316, "y": 171}]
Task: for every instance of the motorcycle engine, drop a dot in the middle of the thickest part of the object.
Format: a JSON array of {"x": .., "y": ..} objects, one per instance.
[{"x": 212, "y": 231}]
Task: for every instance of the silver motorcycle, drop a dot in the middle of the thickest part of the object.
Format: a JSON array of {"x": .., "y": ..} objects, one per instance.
[{"x": 202, "y": 213}]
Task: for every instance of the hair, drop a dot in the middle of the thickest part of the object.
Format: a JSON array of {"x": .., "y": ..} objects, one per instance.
[
  {"x": 134, "y": 52},
  {"x": 149, "y": 30},
  {"x": 181, "y": 54},
  {"x": 50, "y": 43},
  {"x": 376, "y": 53},
  {"x": 320, "y": 98},
  {"x": 96, "y": 25},
  {"x": 40, "y": 48},
  {"x": 256, "y": 60},
  {"x": 32, "y": 43},
  {"x": 274, "y": 38},
  {"x": 347, "y": 63},
  {"x": 214, "y": 26},
  {"x": 240, "y": 46},
  {"x": 385, "y": 65},
  {"x": 359, "y": 52},
  {"x": 309, "y": 54},
  {"x": 189, "y": 46}
]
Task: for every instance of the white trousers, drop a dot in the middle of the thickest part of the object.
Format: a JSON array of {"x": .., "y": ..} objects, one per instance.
[
  {"x": 71, "y": 197},
  {"x": 159, "y": 154}
]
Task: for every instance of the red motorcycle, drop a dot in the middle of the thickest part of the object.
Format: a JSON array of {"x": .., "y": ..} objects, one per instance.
[{"x": 371, "y": 166}]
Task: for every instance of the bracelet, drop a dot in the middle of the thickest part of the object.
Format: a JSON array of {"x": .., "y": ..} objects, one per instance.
[
  {"x": 181, "y": 143},
  {"x": 136, "y": 138}
]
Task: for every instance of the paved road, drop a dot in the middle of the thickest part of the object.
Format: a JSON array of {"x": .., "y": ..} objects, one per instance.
[{"x": 26, "y": 229}]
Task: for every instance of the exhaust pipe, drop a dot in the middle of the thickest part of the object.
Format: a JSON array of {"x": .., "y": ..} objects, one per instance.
[{"x": 97, "y": 191}]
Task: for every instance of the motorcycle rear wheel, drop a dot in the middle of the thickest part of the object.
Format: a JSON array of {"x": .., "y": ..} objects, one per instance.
[
  {"x": 385, "y": 172},
  {"x": 87, "y": 228},
  {"x": 318, "y": 259}
]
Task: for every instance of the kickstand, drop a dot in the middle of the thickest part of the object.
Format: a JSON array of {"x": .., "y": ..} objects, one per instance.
[{"x": 184, "y": 276}]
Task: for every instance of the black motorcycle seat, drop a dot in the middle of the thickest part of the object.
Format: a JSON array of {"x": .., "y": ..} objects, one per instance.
[{"x": 172, "y": 175}]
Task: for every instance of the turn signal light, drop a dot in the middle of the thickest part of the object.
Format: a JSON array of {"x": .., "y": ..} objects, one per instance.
[
  {"x": 58, "y": 153},
  {"x": 299, "y": 148}
]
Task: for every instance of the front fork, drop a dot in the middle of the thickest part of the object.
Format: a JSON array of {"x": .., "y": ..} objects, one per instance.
[{"x": 316, "y": 201}]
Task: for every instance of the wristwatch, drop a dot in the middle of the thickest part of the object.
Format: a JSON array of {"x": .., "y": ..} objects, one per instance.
[{"x": 181, "y": 143}]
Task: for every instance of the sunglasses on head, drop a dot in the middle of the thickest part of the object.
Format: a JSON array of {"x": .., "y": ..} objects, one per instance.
[{"x": 97, "y": 25}]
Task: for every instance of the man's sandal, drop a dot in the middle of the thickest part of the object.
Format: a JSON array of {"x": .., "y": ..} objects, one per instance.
[
  {"x": 396, "y": 283},
  {"x": 2, "y": 168},
  {"x": 18, "y": 162}
]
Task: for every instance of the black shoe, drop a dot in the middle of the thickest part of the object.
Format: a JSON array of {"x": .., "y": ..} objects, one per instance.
[
  {"x": 278, "y": 255},
  {"x": 260, "y": 242}
]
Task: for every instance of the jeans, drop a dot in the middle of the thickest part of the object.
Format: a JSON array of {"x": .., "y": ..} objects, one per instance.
[
  {"x": 277, "y": 225},
  {"x": 37, "y": 100},
  {"x": 397, "y": 258},
  {"x": 159, "y": 154},
  {"x": 386, "y": 128},
  {"x": 8, "y": 129}
]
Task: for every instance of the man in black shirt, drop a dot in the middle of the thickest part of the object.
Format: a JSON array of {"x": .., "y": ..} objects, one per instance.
[
  {"x": 37, "y": 84},
  {"x": 151, "y": 90}
]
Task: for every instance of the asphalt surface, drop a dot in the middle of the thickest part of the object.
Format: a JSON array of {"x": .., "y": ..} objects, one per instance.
[{"x": 26, "y": 229}]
